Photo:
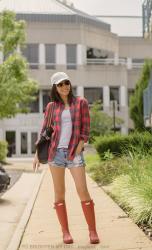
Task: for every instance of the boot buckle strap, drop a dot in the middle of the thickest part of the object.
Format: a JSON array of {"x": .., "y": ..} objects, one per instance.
[
  {"x": 88, "y": 203},
  {"x": 58, "y": 204}
]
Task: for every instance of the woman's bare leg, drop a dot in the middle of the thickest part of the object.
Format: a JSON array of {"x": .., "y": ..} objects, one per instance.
[
  {"x": 79, "y": 176},
  {"x": 58, "y": 176}
]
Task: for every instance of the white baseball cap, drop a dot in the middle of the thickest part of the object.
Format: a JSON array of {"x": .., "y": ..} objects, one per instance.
[{"x": 59, "y": 77}]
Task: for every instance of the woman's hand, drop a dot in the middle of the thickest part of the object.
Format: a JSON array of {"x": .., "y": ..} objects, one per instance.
[
  {"x": 79, "y": 147},
  {"x": 36, "y": 163}
]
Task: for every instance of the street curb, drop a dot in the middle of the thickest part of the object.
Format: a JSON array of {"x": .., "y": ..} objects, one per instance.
[{"x": 17, "y": 236}]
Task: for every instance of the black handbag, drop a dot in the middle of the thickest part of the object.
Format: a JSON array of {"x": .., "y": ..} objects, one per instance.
[{"x": 42, "y": 146}]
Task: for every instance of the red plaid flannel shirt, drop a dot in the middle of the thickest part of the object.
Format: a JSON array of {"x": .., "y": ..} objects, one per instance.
[{"x": 80, "y": 124}]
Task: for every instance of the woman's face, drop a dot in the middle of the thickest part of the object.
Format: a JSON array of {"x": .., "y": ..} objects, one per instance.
[{"x": 63, "y": 88}]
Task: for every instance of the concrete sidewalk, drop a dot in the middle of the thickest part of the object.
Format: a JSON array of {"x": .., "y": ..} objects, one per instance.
[{"x": 116, "y": 231}]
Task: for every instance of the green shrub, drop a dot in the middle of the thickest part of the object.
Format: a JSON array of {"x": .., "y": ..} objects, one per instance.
[
  {"x": 121, "y": 144},
  {"x": 113, "y": 143},
  {"x": 3, "y": 150}
]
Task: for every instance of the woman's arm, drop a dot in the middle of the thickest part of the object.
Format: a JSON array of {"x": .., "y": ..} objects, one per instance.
[{"x": 79, "y": 148}]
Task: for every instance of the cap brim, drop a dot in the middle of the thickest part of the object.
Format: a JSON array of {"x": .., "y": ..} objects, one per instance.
[{"x": 60, "y": 80}]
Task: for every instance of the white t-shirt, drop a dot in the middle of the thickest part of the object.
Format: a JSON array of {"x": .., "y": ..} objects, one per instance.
[{"x": 66, "y": 129}]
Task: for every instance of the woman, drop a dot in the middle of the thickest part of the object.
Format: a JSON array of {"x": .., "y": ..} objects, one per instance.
[{"x": 71, "y": 123}]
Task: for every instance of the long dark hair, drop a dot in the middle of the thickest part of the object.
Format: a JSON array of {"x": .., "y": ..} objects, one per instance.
[{"x": 55, "y": 97}]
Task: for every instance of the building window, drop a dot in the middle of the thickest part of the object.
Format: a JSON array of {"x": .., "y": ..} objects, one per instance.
[
  {"x": 46, "y": 98},
  {"x": 71, "y": 56},
  {"x": 31, "y": 52},
  {"x": 50, "y": 56},
  {"x": 23, "y": 143},
  {"x": 93, "y": 94},
  {"x": 138, "y": 60},
  {"x": 130, "y": 93},
  {"x": 11, "y": 139},
  {"x": 34, "y": 105},
  {"x": 114, "y": 96},
  {"x": 98, "y": 53},
  {"x": 34, "y": 137}
]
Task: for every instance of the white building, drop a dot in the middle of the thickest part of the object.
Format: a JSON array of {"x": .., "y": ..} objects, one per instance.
[{"x": 100, "y": 64}]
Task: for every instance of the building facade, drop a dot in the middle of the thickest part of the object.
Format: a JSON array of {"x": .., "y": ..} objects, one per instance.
[
  {"x": 147, "y": 18},
  {"x": 101, "y": 65}
]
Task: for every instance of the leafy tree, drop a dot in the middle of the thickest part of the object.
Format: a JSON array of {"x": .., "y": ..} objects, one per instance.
[
  {"x": 136, "y": 100},
  {"x": 101, "y": 123},
  {"x": 16, "y": 88}
]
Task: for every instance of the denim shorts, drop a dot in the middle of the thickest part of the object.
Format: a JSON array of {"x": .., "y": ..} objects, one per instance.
[{"x": 60, "y": 159}]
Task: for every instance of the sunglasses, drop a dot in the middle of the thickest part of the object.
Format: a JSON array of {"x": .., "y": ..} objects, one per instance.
[{"x": 67, "y": 83}]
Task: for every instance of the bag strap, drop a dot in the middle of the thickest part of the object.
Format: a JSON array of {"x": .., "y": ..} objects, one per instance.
[{"x": 50, "y": 115}]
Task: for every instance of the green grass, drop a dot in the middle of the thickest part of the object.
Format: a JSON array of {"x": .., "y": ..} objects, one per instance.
[
  {"x": 105, "y": 171},
  {"x": 133, "y": 192},
  {"x": 92, "y": 160}
]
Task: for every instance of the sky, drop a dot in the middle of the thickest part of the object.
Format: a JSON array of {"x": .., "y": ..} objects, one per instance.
[{"x": 120, "y": 26}]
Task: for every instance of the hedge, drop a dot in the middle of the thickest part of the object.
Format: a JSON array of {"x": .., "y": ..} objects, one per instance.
[{"x": 120, "y": 144}]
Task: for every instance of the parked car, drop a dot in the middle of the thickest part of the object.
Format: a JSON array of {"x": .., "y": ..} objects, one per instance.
[{"x": 4, "y": 179}]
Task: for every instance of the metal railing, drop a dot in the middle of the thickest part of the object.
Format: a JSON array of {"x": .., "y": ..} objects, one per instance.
[
  {"x": 137, "y": 65},
  {"x": 113, "y": 61},
  {"x": 100, "y": 61},
  {"x": 94, "y": 61}
]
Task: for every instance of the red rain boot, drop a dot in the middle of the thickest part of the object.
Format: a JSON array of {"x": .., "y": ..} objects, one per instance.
[
  {"x": 60, "y": 207},
  {"x": 88, "y": 210}
]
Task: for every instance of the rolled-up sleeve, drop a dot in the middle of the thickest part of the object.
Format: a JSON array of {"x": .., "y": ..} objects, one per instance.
[{"x": 85, "y": 120}]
